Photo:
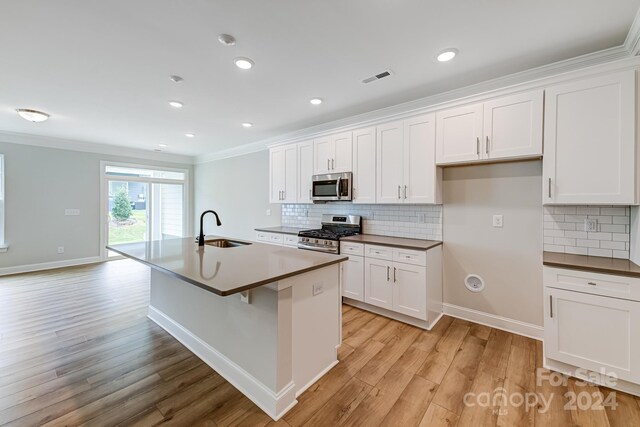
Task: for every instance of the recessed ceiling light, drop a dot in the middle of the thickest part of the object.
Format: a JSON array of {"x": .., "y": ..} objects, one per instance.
[
  {"x": 316, "y": 101},
  {"x": 247, "y": 124},
  {"x": 162, "y": 145},
  {"x": 447, "y": 55},
  {"x": 176, "y": 104},
  {"x": 176, "y": 79},
  {"x": 190, "y": 135},
  {"x": 227, "y": 39},
  {"x": 243, "y": 63}
]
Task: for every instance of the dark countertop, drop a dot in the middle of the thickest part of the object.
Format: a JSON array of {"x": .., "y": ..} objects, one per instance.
[
  {"x": 225, "y": 271},
  {"x": 282, "y": 230},
  {"x": 619, "y": 267},
  {"x": 400, "y": 242}
]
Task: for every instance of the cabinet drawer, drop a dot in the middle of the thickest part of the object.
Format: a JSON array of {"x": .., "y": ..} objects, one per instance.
[
  {"x": 261, "y": 236},
  {"x": 276, "y": 239},
  {"x": 352, "y": 248},
  {"x": 378, "y": 252},
  {"x": 290, "y": 240},
  {"x": 409, "y": 256},
  {"x": 593, "y": 283}
]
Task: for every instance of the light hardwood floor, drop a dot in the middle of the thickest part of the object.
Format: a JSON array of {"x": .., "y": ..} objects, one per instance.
[{"x": 77, "y": 349}]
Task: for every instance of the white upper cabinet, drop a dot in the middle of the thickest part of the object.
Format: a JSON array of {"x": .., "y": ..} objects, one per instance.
[
  {"x": 406, "y": 170},
  {"x": 513, "y": 126},
  {"x": 458, "y": 135},
  {"x": 283, "y": 174},
  {"x": 342, "y": 153},
  {"x": 504, "y": 128},
  {"x": 422, "y": 179},
  {"x": 590, "y": 141},
  {"x": 333, "y": 154},
  {"x": 390, "y": 159},
  {"x": 305, "y": 171},
  {"x": 364, "y": 166}
]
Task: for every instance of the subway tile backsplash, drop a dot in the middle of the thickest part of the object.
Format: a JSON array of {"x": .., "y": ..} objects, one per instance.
[
  {"x": 411, "y": 221},
  {"x": 564, "y": 230}
]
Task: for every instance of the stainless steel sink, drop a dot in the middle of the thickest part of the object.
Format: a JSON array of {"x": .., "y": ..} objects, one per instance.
[{"x": 224, "y": 243}]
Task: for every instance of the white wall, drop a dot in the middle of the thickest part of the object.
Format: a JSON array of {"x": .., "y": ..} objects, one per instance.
[
  {"x": 509, "y": 258},
  {"x": 40, "y": 183},
  {"x": 238, "y": 190}
]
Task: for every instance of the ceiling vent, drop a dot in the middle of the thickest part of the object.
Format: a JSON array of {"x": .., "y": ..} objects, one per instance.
[{"x": 379, "y": 76}]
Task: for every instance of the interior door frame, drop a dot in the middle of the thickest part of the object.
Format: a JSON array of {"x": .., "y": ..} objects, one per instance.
[{"x": 104, "y": 208}]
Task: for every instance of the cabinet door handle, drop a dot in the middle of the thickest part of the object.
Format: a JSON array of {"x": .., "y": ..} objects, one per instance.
[
  {"x": 549, "y": 187},
  {"x": 284, "y": 195},
  {"x": 478, "y": 146},
  {"x": 333, "y": 164},
  {"x": 394, "y": 275},
  {"x": 398, "y": 192},
  {"x": 486, "y": 149},
  {"x": 592, "y": 284},
  {"x": 328, "y": 164},
  {"x": 551, "y": 306},
  {"x": 405, "y": 191},
  {"x": 388, "y": 268},
  {"x": 309, "y": 193}
]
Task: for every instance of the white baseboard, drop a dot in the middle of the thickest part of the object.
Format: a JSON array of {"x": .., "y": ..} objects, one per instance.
[
  {"x": 48, "y": 265},
  {"x": 274, "y": 404},
  {"x": 317, "y": 377},
  {"x": 510, "y": 325}
]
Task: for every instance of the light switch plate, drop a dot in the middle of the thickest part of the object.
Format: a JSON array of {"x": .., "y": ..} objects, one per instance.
[
  {"x": 268, "y": 212},
  {"x": 498, "y": 221}
]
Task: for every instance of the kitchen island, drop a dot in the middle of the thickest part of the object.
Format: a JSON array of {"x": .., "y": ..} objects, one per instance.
[{"x": 266, "y": 318}]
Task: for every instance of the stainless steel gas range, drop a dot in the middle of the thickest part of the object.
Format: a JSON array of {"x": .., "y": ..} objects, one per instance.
[{"x": 327, "y": 238}]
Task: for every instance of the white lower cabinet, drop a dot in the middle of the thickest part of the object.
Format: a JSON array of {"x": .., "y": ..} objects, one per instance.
[
  {"x": 410, "y": 290},
  {"x": 353, "y": 278},
  {"x": 378, "y": 289},
  {"x": 278, "y": 239},
  {"x": 588, "y": 331},
  {"x": 403, "y": 281}
]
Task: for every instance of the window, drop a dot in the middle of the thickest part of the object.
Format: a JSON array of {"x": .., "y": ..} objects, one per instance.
[{"x": 3, "y": 247}]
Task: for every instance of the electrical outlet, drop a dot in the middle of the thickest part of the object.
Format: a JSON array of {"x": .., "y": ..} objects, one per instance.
[
  {"x": 590, "y": 225},
  {"x": 268, "y": 212},
  {"x": 245, "y": 297},
  {"x": 60, "y": 249},
  {"x": 498, "y": 221},
  {"x": 318, "y": 288},
  {"x": 423, "y": 218}
]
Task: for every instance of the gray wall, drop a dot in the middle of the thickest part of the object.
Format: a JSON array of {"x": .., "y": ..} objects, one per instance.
[
  {"x": 238, "y": 190},
  {"x": 40, "y": 183},
  {"x": 509, "y": 258}
]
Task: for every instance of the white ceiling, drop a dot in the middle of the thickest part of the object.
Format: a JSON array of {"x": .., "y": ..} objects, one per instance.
[{"x": 101, "y": 68}]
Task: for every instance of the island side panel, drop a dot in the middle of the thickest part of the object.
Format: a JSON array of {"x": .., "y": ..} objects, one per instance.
[
  {"x": 245, "y": 334},
  {"x": 316, "y": 324}
]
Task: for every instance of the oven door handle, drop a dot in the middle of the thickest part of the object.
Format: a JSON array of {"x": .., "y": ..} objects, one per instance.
[
  {"x": 316, "y": 248},
  {"x": 338, "y": 185}
]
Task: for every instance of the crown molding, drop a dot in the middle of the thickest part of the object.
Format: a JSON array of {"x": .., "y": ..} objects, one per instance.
[
  {"x": 89, "y": 147},
  {"x": 632, "y": 42},
  {"x": 592, "y": 63}
]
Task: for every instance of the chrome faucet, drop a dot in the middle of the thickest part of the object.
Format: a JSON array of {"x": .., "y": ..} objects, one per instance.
[{"x": 201, "y": 236}]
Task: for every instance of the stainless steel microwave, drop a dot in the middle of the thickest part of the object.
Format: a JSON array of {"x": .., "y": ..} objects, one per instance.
[{"x": 331, "y": 187}]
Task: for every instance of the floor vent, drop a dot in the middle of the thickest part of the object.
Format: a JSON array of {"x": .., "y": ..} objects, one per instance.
[{"x": 379, "y": 76}]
